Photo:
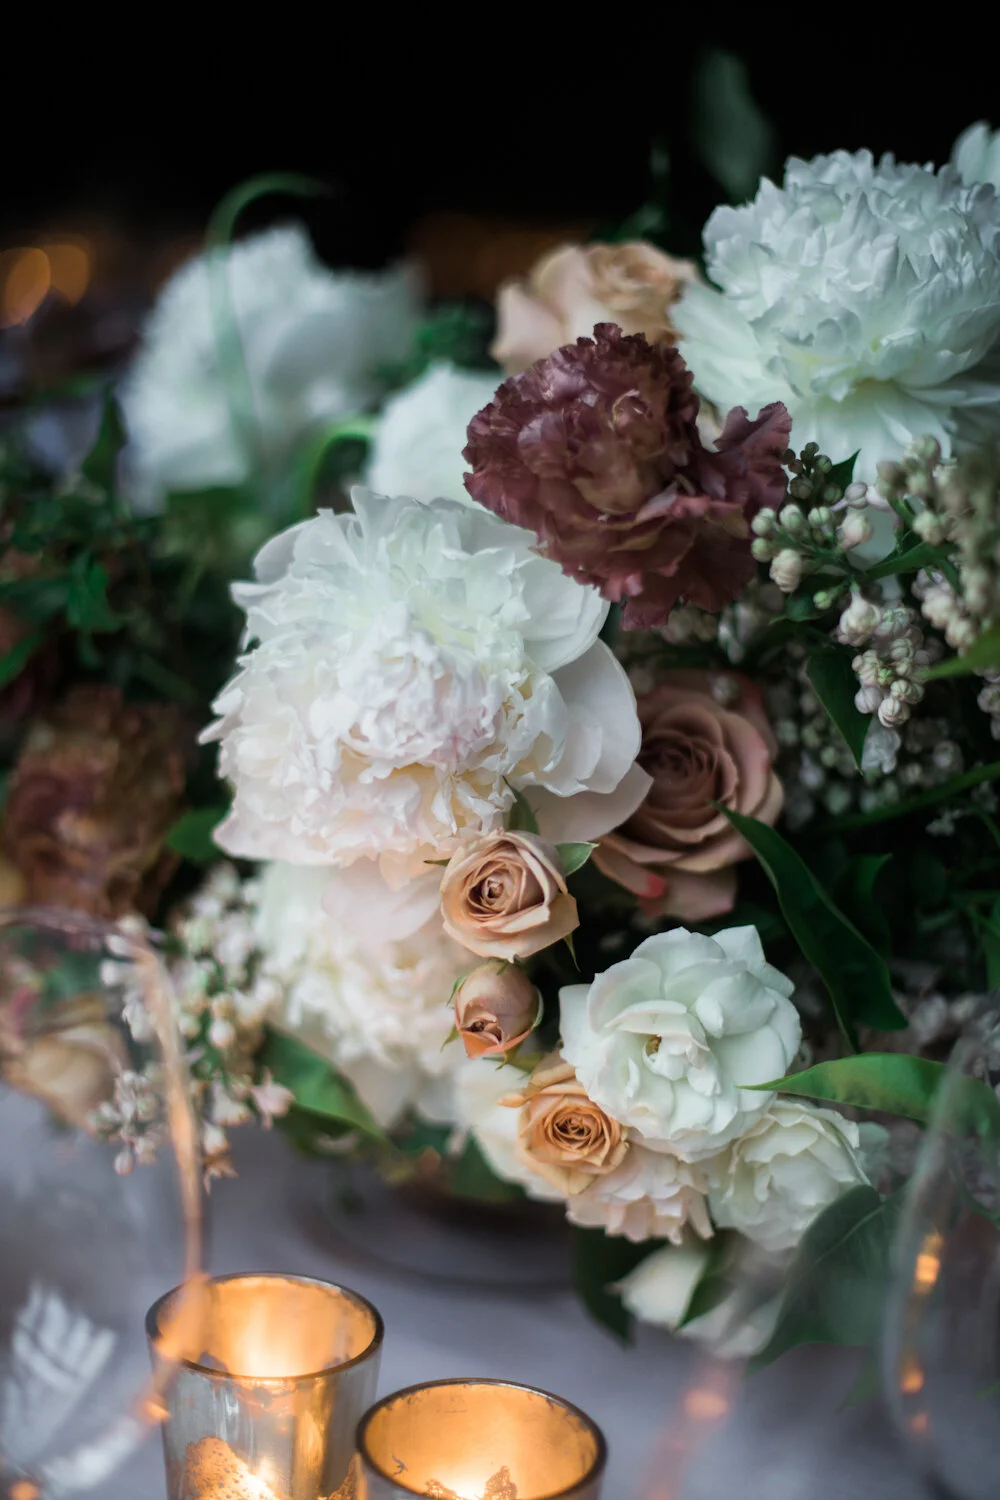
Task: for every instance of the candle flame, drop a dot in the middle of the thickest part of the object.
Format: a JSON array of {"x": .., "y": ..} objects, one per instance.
[{"x": 212, "y": 1471}]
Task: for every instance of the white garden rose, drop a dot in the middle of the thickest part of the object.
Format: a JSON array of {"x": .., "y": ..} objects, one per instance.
[
  {"x": 789, "y": 1165},
  {"x": 649, "y": 1196},
  {"x": 415, "y": 666},
  {"x": 478, "y": 1086},
  {"x": 863, "y": 295},
  {"x": 976, "y": 155},
  {"x": 673, "y": 1040},
  {"x": 376, "y": 1007},
  {"x": 309, "y": 343},
  {"x": 418, "y": 443},
  {"x": 660, "y": 1289}
]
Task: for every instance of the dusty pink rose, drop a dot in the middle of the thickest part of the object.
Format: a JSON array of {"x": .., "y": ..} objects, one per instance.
[
  {"x": 496, "y": 1007},
  {"x": 677, "y": 852},
  {"x": 574, "y": 287},
  {"x": 562, "y": 1134},
  {"x": 505, "y": 896},
  {"x": 596, "y": 449}
]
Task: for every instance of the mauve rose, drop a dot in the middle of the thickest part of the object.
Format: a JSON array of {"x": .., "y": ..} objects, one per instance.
[
  {"x": 562, "y": 1134},
  {"x": 596, "y": 449},
  {"x": 574, "y": 287},
  {"x": 505, "y": 896},
  {"x": 677, "y": 852},
  {"x": 496, "y": 1007},
  {"x": 95, "y": 789}
]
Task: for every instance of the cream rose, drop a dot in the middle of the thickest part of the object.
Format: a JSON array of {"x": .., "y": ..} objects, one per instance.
[
  {"x": 707, "y": 744},
  {"x": 496, "y": 1007},
  {"x": 571, "y": 289},
  {"x": 562, "y": 1135},
  {"x": 505, "y": 896},
  {"x": 790, "y": 1165},
  {"x": 649, "y": 1195},
  {"x": 672, "y": 1041}
]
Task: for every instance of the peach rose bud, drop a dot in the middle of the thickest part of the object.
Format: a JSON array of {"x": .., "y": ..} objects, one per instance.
[
  {"x": 505, "y": 896},
  {"x": 562, "y": 1134},
  {"x": 496, "y": 1007}
]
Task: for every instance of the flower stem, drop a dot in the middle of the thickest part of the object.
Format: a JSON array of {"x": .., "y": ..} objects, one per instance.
[{"x": 930, "y": 798}]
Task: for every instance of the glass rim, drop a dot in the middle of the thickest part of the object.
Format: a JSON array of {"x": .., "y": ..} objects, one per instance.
[{"x": 594, "y": 1472}]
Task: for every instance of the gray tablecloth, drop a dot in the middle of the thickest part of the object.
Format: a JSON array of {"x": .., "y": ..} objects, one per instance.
[{"x": 781, "y": 1435}]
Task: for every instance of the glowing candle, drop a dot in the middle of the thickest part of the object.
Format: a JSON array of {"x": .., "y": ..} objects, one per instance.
[
  {"x": 269, "y": 1409},
  {"x": 479, "y": 1440}
]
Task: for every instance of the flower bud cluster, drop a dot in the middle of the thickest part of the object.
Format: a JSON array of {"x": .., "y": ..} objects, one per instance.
[
  {"x": 894, "y": 652},
  {"x": 804, "y": 535}
]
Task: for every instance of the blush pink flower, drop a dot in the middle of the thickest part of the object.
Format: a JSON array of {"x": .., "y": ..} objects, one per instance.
[
  {"x": 596, "y": 449},
  {"x": 678, "y": 851}
]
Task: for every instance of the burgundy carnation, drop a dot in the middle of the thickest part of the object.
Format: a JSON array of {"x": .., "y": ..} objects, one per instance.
[{"x": 596, "y": 449}]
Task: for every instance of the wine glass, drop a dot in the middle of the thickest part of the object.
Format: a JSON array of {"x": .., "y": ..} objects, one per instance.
[
  {"x": 99, "y": 1197},
  {"x": 941, "y": 1337}
]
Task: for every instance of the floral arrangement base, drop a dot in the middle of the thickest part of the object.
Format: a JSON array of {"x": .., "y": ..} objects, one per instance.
[{"x": 419, "y": 1228}]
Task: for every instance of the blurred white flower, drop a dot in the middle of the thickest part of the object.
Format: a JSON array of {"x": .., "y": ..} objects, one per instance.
[
  {"x": 376, "y": 1007},
  {"x": 672, "y": 1040},
  {"x": 660, "y": 1289},
  {"x": 976, "y": 155},
  {"x": 415, "y": 666},
  {"x": 863, "y": 295},
  {"x": 418, "y": 443},
  {"x": 312, "y": 342},
  {"x": 790, "y": 1165},
  {"x": 649, "y": 1196}
]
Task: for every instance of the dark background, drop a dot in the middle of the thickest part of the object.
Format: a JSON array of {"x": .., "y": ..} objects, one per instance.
[{"x": 488, "y": 117}]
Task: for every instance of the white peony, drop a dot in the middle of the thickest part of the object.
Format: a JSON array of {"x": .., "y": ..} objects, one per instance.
[
  {"x": 477, "y": 1086},
  {"x": 649, "y": 1196},
  {"x": 862, "y": 294},
  {"x": 377, "y": 1008},
  {"x": 415, "y": 665},
  {"x": 311, "y": 340},
  {"x": 660, "y": 1289},
  {"x": 976, "y": 155},
  {"x": 790, "y": 1165},
  {"x": 418, "y": 443},
  {"x": 672, "y": 1040}
]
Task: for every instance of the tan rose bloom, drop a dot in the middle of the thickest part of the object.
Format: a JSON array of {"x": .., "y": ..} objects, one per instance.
[
  {"x": 496, "y": 1007},
  {"x": 72, "y": 1069},
  {"x": 678, "y": 851},
  {"x": 575, "y": 287},
  {"x": 562, "y": 1134},
  {"x": 505, "y": 896}
]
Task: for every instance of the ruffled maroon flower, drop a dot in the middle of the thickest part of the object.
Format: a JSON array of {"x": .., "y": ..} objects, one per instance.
[{"x": 596, "y": 449}]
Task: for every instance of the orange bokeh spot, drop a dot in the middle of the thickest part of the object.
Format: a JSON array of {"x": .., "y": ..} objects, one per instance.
[
  {"x": 25, "y": 284},
  {"x": 705, "y": 1405}
]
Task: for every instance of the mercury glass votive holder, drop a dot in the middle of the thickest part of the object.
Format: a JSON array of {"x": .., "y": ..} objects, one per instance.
[
  {"x": 270, "y": 1408},
  {"x": 479, "y": 1440}
]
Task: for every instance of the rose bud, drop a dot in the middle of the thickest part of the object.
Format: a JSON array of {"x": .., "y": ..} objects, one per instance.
[
  {"x": 562, "y": 1134},
  {"x": 496, "y": 1007},
  {"x": 505, "y": 896}
]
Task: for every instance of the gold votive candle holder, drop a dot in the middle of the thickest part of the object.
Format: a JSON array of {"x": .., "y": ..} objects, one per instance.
[
  {"x": 479, "y": 1440},
  {"x": 270, "y": 1407}
]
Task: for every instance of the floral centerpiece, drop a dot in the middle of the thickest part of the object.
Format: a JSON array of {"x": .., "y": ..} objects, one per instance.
[{"x": 565, "y": 759}]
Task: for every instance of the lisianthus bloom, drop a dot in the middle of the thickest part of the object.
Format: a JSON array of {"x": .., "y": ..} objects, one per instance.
[
  {"x": 597, "y": 450},
  {"x": 576, "y": 286},
  {"x": 707, "y": 744},
  {"x": 94, "y": 792},
  {"x": 673, "y": 1040},
  {"x": 415, "y": 666},
  {"x": 864, "y": 295}
]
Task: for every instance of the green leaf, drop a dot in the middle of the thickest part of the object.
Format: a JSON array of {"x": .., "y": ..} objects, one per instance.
[
  {"x": 472, "y": 1177},
  {"x": 87, "y": 606},
  {"x": 522, "y": 819},
  {"x": 222, "y": 225},
  {"x": 715, "y": 1282},
  {"x": 946, "y": 792},
  {"x": 981, "y": 656},
  {"x": 855, "y": 976},
  {"x": 799, "y": 606},
  {"x": 837, "y": 1282},
  {"x": 835, "y": 684},
  {"x": 600, "y": 1260},
  {"x": 896, "y": 1083},
  {"x": 12, "y": 664},
  {"x": 191, "y": 836},
  {"x": 843, "y": 473},
  {"x": 574, "y": 856},
  {"x": 923, "y": 555},
  {"x": 100, "y": 463},
  {"x": 990, "y": 940},
  {"x": 854, "y": 890},
  {"x": 36, "y": 600},
  {"x": 315, "y": 1085}
]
